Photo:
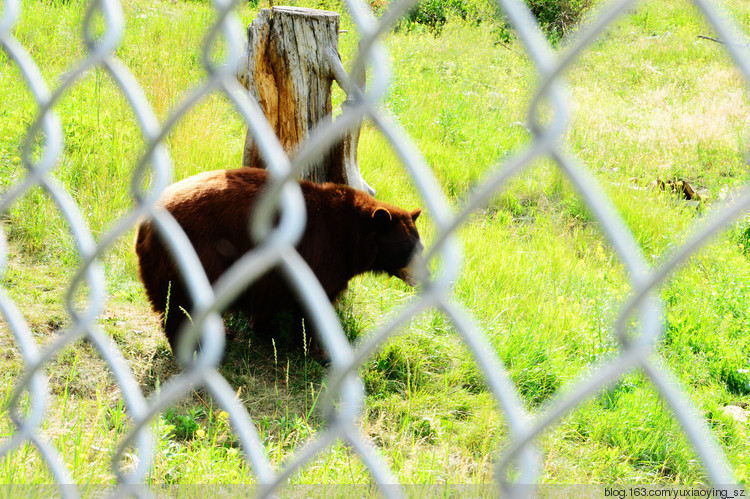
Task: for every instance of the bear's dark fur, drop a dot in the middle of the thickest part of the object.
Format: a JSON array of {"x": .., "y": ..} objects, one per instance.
[{"x": 348, "y": 232}]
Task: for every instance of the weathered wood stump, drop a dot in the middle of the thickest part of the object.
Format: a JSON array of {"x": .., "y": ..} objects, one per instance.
[{"x": 290, "y": 64}]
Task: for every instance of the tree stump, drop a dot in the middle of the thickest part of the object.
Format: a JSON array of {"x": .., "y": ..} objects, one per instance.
[{"x": 290, "y": 64}]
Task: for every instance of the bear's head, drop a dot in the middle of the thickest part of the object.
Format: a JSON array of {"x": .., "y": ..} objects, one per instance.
[{"x": 399, "y": 247}]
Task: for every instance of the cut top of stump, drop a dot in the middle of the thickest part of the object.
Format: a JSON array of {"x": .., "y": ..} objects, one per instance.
[{"x": 303, "y": 12}]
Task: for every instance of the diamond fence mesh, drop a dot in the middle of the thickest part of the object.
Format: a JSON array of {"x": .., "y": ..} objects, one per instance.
[{"x": 344, "y": 398}]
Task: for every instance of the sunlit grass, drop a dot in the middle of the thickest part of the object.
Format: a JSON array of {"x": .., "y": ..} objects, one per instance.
[{"x": 649, "y": 100}]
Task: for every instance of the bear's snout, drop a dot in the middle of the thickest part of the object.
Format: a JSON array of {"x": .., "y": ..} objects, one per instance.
[{"x": 416, "y": 270}]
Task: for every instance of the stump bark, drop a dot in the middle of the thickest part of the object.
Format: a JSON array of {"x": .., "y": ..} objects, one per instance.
[{"x": 289, "y": 66}]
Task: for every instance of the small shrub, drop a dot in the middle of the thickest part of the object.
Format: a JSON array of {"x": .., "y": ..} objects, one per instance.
[
  {"x": 183, "y": 426},
  {"x": 555, "y": 17},
  {"x": 431, "y": 14},
  {"x": 434, "y": 14},
  {"x": 737, "y": 381}
]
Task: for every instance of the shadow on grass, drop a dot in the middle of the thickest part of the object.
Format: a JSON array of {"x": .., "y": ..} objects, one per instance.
[{"x": 278, "y": 384}]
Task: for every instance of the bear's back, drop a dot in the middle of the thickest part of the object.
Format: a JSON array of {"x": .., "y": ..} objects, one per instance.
[{"x": 226, "y": 188}]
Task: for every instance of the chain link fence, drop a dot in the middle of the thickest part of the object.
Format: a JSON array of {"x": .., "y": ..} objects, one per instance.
[{"x": 345, "y": 395}]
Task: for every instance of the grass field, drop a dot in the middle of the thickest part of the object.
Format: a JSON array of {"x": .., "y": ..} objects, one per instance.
[{"x": 650, "y": 100}]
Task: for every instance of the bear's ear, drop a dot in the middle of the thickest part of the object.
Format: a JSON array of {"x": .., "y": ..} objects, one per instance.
[
  {"x": 415, "y": 214},
  {"x": 381, "y": 216}
]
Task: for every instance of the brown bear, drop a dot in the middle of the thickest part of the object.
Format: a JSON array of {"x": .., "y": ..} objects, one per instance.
[{"x": 348, "y": 232}]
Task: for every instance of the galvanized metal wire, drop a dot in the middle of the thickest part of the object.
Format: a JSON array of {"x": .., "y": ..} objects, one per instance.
[{"x": 345, "y": 396}]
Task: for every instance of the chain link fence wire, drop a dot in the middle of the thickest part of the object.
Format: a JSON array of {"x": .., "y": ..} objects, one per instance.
[{"x": 344, "y": 399}]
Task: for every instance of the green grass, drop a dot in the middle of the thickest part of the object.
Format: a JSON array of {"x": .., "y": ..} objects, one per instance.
[{"x": 650, "y": 101}]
